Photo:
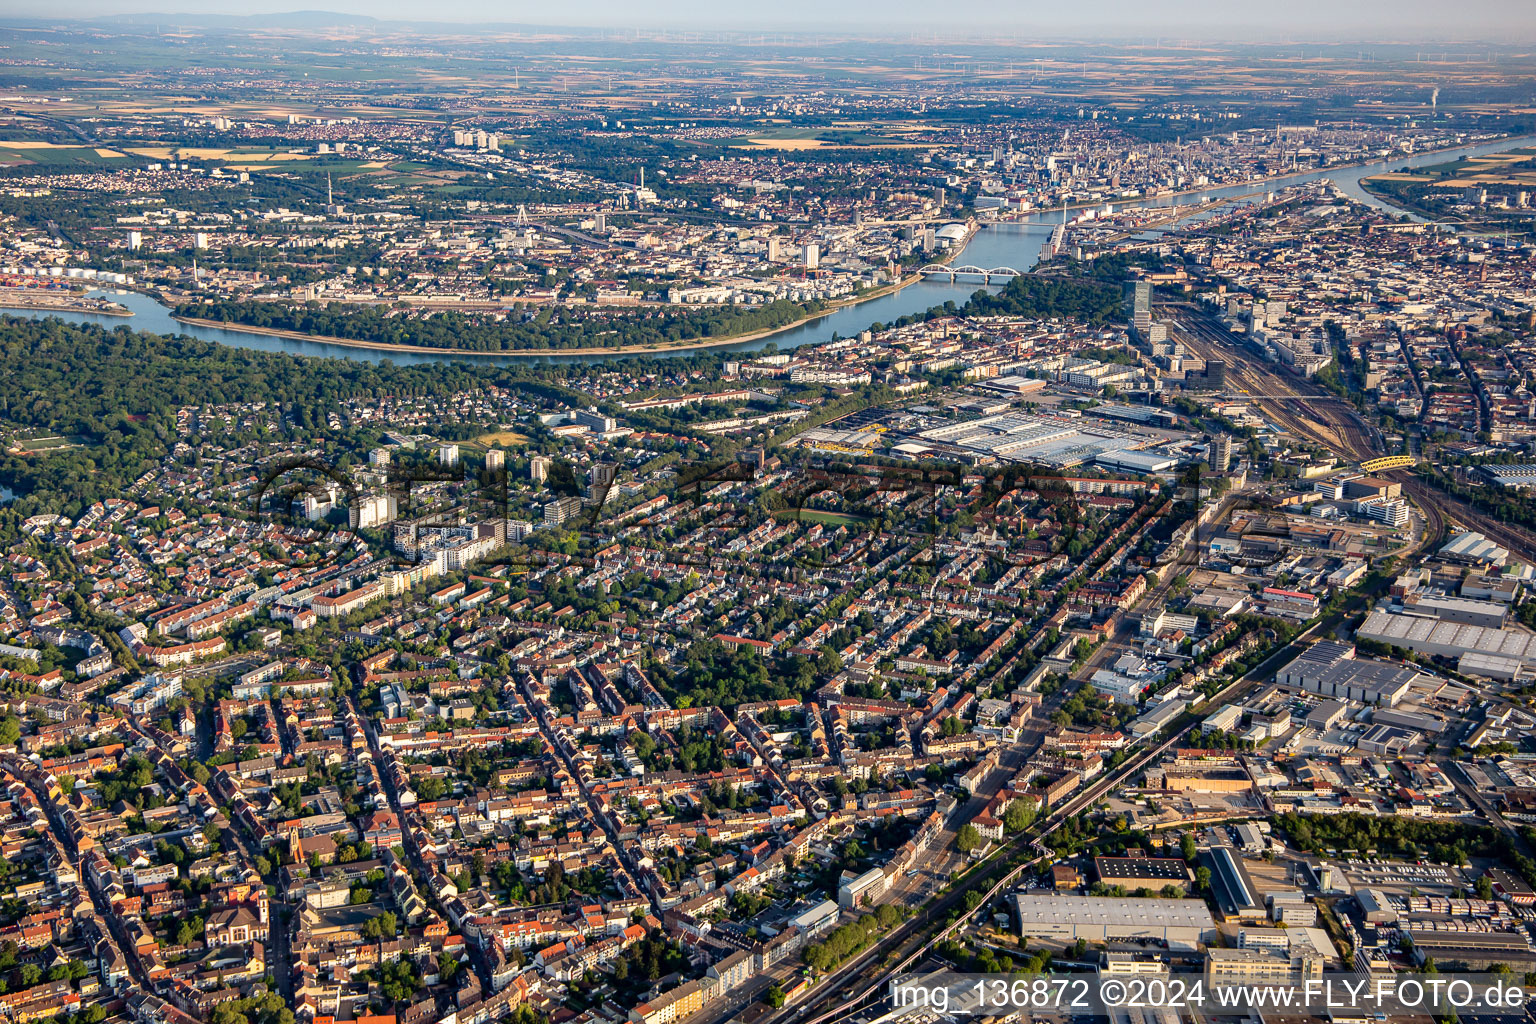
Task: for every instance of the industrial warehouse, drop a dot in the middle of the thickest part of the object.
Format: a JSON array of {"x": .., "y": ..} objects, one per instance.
[
  {"x": 1182, "y": 924},
  {"x": 1234, "y": 890},
  {"x": 1331, "y": 669},
  {"x": 1480, "y": 650},
  {"x": 1134, "y": 872}
]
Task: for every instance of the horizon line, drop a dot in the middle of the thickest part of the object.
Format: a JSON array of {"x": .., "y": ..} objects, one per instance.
[{"x": 1159, "y": 34}]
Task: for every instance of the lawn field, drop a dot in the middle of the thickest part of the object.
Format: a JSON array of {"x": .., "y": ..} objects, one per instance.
[
  {"x": 507, "y": 438},
  {"x": 812, "y": 515},
  {"x": 49, "y": 443}
]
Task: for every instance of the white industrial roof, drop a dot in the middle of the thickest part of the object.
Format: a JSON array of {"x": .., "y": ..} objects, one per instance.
[
  {"x": 1474, "y": 546},
  {"x": 1060, "y": 908},
  {"x": 1452, "y": 636}
]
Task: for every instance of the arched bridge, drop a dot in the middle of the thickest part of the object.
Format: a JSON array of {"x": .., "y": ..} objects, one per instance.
[
  {"x": 940, "y": 270},
  {"x": 1387, "y": 462}
]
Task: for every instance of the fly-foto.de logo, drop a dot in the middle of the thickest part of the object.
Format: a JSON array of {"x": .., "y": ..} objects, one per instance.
[
  {"x": 849, "y": 513},
  {"x": 309, "y": 508},
  {"x": 296, "y": 504}
]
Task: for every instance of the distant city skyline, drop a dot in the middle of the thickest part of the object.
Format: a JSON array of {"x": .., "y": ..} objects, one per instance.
[{"x": 1427, "y": 20}]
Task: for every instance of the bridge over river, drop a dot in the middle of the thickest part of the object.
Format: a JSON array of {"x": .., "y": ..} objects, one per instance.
[{"x": 942, "y": 270}]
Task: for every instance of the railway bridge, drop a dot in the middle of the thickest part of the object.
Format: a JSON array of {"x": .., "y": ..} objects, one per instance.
[{"x": 941, "y": 270}]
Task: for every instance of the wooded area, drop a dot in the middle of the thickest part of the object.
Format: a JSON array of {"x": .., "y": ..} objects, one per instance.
[{"x": 548, "y": 327}]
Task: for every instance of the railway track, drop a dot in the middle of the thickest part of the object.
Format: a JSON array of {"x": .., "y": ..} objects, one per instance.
[
  {"x": 848, "y": 990},
  {"x": 867, "y": 976},
  {"x": 1311, "y": 412},
  {"x": 1328, "y": 419}
]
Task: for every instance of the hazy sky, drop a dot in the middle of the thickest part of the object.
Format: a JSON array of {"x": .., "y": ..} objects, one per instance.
[{"x": 1507, "y": 20}]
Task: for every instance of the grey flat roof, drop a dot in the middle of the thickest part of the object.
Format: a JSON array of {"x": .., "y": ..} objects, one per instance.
[
  {"x": 1065, "y": 909},
  {"x": 1230, "y": 882},
  {"x": 1429, "y": 939},
  {"x": 1414, "y": 632}
]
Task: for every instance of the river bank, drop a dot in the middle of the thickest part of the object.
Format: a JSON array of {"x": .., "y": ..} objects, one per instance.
[
  {"x": 614, "y": 350},
  {"x": 1395, "y": 200},
  {"x": 15, "y": 298},
  {"x": 1493, "y": 220},
  {"x": 618, "y": 350},
  {"x": 437, "y": 350},
  {"x": 994, "y": 243},
  {"x": 1262, "y": 184}
]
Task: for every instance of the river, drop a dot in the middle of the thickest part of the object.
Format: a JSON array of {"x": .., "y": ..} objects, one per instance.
[{"x": 1014, "y": 244}]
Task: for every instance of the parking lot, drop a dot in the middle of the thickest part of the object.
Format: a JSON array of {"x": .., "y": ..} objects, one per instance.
[{"x": 1401, "y": 877}]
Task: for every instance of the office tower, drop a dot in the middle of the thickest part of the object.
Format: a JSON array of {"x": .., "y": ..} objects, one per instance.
[
  {"x": 810, "y": 255},
  {"x": 332, "y": 207},
  {"x": 600, "y": 483},
  {"x": 1138, "y": 296},
  {"x": 1220, "y": 453}
]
